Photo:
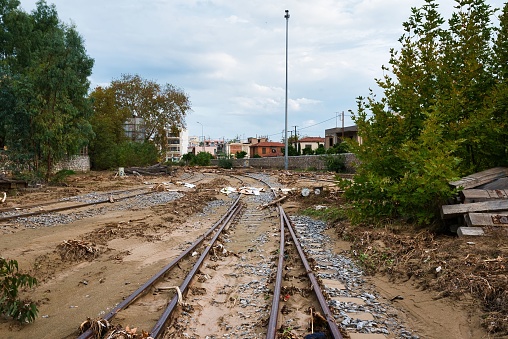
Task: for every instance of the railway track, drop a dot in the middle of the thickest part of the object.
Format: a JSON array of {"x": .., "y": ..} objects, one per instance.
[
  {"x": 249, "y": 273},
  {"x": 222, "y": 276}
]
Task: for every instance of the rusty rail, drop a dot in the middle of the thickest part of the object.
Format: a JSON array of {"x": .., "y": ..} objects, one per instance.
[
  {"x": 146, "y": 286},
  {"x": 272, "y": 324},
  {"x": 59, "y": 209},
  {"x": 315, "y": 285},
  {"x": 160, "y": 326}
]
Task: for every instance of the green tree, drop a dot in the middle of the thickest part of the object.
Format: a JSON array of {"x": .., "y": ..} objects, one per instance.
[
  {"x": 108, "y": 124},
  {"x": 45, "y": 72},
  {"x": 161, "y": 107},
  {"x": 240, "y": 154},
  {"x": 320, "y": 150},
  {"x": 433, "y": 122}
]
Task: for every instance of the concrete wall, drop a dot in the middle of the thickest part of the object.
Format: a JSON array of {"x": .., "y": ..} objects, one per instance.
[
  {"x": 77, "y": 163},
  {"x": 302, "y": 162}
]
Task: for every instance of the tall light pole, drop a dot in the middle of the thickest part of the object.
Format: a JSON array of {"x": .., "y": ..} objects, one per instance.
[
  {"x": 202, "y": 135},
  {"x": 286, "y": 160}
]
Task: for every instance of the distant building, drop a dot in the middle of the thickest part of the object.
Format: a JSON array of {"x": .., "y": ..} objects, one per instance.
[
  {"x": 336, "y": 135},
  {"x": 311, "y": 143},
  {"x": 177, "y": 145},
  {"x": 267, "y": 149},
  {"x": 135, "y": 129},
  {"x": 177, "y": 142}
]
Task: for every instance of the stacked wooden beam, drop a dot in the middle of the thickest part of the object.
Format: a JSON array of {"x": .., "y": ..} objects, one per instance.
[
  {"x": 158, "y": 169},
  {"x": 483, "y": 200}
]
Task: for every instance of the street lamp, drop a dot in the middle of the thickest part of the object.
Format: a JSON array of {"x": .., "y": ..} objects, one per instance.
[
  {"x": 202, "y": 135},
  {"x": 286, "y": 160}
]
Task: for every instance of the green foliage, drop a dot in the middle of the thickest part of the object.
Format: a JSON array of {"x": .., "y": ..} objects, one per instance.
[
  {"x": 202, "y": 159},
  {"x": 11, "y": 281},
  {"x": 240, "y": 154},
  {"x": 307, "y": 151},
  {"x": 292, "y": 151},
  {"x": 440, "y": 117},
  {"x": 339, "y": 148},
  {"x": 320, "y": 150},
  {"x": 160, "y": 106},
  {"x": 44, "y": 69},
  {"x": 334, "y": 163},
  {"x": 256, "y": 156},
  {"x": 331, "y": 214},
  {"x": 225, "y": 163},
  {"x": 60, "y": 176}
]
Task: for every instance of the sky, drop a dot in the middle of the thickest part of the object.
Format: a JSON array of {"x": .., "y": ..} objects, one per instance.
[{"x": 230, "y": 56}]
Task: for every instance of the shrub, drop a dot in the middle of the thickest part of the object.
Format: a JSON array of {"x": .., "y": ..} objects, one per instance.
[
  {"x": 240, "y": 154},
  {"x": 10, "y": 283},
  {"x": 225, "y": 163},
  {"x": 335, "y": 163},
  {"x": 60, "y": 176}
]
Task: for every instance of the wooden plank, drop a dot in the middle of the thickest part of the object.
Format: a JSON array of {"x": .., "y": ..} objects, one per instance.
[
  {"x": 450, "y": 211},
  {"x": 476, "y": 195},
  {"x": 480, "y": 178},
  {"x": 487, "y": 219}
]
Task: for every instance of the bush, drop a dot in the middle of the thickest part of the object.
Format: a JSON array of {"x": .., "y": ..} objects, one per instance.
[
  {"x": 10, "y": 282},
  {"x": 126, "y": 154},
  {"x": 60, "y": 176},
  {"x": 202, "y": 159},
  {"x": 225, "y": 163},
  {"x": 240, "y": 154},
  {"x": 335, "y": 163}
]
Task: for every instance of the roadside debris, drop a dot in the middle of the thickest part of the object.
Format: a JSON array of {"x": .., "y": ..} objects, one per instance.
[
  {"x": 77, "y": 250},
  {"x": 242, "y": 190}
]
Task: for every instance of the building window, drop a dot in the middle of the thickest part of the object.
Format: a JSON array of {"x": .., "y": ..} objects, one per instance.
[
  {"x": 263, "y": 150},
  {"x": 274, "y": 150}
]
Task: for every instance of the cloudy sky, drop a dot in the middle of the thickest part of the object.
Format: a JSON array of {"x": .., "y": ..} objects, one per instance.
[{"x": 229, "y": 56}]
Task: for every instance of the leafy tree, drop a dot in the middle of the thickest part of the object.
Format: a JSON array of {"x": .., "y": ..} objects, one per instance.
[
  {"x": 202, "y": 159},
  {"x": 320, "y": 150},
  {"x": 341, "y": 147},
  {"x": 335, "y": 163},
  {"x": 44, "y": 69},
  {"x": 437, "y": 118},
  {"x": 108, "y": 124},
  {"x": 240, "y": 154},
  {"x": 161, "y": 107},
  {"x": 307, "y": 151}
]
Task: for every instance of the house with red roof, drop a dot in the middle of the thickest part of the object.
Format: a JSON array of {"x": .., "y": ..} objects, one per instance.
[{"x": 267, "y": 149}]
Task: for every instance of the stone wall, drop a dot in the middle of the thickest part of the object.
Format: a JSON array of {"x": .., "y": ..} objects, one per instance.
[
  {"x": 302, "y": 162},
  {"x": 77, "y": 163}
]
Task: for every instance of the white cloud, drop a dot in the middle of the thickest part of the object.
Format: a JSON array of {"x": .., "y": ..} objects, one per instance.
[{"x": 229, "y": 56}]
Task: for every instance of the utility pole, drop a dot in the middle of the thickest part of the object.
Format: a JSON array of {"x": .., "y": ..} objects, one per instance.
[
  {"x": 296, "y": 139},
  {"x": 342, "y": 126},
  {"x": 286, "y": 159}
]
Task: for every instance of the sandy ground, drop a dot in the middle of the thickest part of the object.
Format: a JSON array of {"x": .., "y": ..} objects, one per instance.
[{"x": 69, "y": 292}]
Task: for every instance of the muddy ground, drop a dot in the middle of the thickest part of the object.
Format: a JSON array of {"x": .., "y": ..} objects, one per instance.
[{"x": 442, "y": 286}]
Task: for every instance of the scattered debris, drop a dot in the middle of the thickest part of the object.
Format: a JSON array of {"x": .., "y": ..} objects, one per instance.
[
  {"x": 483, "y": 202},
  {"x": 77, "y": 250}
]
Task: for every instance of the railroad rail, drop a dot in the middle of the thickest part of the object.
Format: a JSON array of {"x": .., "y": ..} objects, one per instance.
[
  {"x": 233, "y": 212},
  {"x": 110, "y": 198}
]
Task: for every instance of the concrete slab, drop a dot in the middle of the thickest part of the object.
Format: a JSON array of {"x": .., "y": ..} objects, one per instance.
[
  {"x": 330, "y": 283},
  {"x": 470, "y": 231},
  {"x": 366, "y": 336}
]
